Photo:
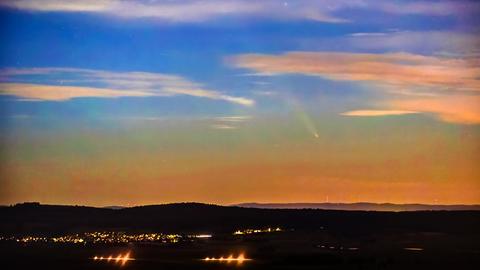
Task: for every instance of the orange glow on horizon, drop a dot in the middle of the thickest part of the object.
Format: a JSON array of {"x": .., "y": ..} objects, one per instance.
[{"x": 433, "y": 164}]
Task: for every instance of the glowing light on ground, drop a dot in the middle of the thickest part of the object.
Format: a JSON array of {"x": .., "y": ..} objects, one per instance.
[
  {"x": 338, "y": 248},
  {"x": 103, "y": 237},
  {"x": 202, "y": 236},
  {"x": 252, "y": 231},
  {"x": 413, "y": 248},
  {"x": 239, "y": 259},
  {"x": 120, "y": 258}
]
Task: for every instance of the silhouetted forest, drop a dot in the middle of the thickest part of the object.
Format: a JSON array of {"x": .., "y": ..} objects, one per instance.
[
  {"x": 362, "y": 206},
  {"x": 197, "y": 217}
]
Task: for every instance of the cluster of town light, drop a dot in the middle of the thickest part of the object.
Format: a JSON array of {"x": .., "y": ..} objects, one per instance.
[
  {"x": 239, "y": 259},
  {"x": 120, "y": 258},
  {"x": 251, "y": 231},
  {"x": 202, "y": 236},
  {"x": 103, "y": 237},
  {"x": 120, "y": 237},
  {"x": 27, "y": 239},
  {"x": 339, "y": 247}
]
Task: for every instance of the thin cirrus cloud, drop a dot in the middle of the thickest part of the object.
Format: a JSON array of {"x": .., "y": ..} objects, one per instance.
[
  {"x": 181, "y": 11},
  {"x": 235, "y": 118},
  {"x": 376, "y": 112},
  {"x": 446, "y": 43},
  {"x": 230, "y": 122},
  {"x": 60, "y": 84},
  {"x": 449, "y": 108},
  {"x": 439, "y": 8},
  {"x": 397, "y": 69},
  {"x": 227, "y": 127},
  {"x": 198, "y": 10},
  {"x": 448, "y": 81},
  {"x": 35, "y": 92}
]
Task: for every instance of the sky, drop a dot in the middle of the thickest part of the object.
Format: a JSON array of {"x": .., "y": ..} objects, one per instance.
[{"x": 111, "y": 102}]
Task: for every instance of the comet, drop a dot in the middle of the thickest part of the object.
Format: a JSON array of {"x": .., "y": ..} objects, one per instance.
[{"x": 304, "y": 118}]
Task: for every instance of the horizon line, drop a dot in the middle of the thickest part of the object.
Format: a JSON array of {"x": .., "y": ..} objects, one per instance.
[{"x": 242, "y": 204}]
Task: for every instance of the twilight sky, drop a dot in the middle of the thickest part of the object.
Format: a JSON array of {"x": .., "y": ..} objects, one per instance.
[{"x": 111, "y": 102}]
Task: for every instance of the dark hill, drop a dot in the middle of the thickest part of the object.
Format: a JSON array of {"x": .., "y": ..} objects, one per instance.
[
  {"x": 362, "y": 206},
  {"x": 196, "y": 217}
]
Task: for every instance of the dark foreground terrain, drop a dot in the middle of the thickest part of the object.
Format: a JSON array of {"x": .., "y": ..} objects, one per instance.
[{"x": 308, "y": 239}]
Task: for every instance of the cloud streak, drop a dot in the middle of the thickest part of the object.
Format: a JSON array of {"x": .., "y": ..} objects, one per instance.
[
  {"x": 376, "y": 112},
  {"x": 439, "y": 42},
  {"x": 397, "y": 69},
  {"x": 34, "y": 92},
  {"x": 230, "y": 122},
  {"x": 180, "y": 11},
  {"x": 448, "y": 87},
  {"x": 235, "y": 118},
  {"x": 60, "y": 84},
  {"x": 223, "y": 127},
  {"x": 453, "y": 109},
  {"x": 198, "y": 10}
]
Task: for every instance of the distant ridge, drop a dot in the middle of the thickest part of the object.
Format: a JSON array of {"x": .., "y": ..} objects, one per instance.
[
  {"x": 362, "y": 206},
  {"x": 114, "y": 207},
  {"x": 36, "y": 218}
]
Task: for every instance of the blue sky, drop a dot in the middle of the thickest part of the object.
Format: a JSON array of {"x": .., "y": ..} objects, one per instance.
[
  {"x": 330, "y": 67},
  {"x": 196, "y": 48}
]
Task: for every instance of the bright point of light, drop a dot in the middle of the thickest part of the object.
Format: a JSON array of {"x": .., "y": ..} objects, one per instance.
[
  {"x": 251, "y": 231},
  {"x": 413, "y": 248},
  {"x": 240, "y": 259},
  {"x": 203, "y": 236},
  {"x": 123, "y": 259}
]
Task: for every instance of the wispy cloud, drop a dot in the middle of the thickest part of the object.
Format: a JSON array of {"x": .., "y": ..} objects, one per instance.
[
  {"x": 223, "y": 127},
  {"x": 200, "y": 10},
  {"x": 37, "y": 92},
  {"x": 438, "y": 42},
  {"x": 454, "y": 109},
  {"x": 446, "y": 86},
  {"x": 376, "y": 112},
  {"x": 239, "y": 118},
  {"x": 59, "y": 84},
  {"x": 438, "y": 8},
  {"x": 265, "y": 93},
  {"x": 230, "y": 122},
  {"x": 180, "y": 11},
  {"x": 400, "y": 69}
]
